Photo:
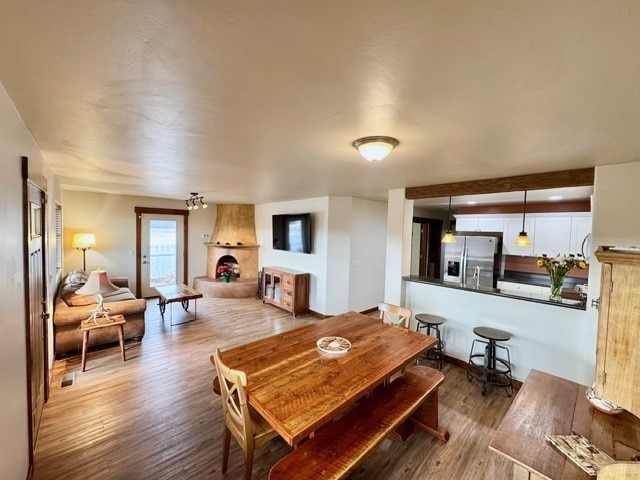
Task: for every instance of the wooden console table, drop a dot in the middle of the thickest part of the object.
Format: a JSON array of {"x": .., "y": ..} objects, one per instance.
[{"x": 548, "y": 405}]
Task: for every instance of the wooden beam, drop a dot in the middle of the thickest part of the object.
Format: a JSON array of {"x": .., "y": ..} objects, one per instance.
[{"x": 536, "y": 181}]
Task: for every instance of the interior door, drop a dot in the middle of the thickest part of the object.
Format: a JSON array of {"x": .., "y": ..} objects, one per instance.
[
  {"x": 162, "y": 252},
  {"x": 37, "y": 314}
]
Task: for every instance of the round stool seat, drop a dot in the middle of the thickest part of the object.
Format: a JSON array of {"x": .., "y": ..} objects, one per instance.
[
  {"x": 491, "y": 333},
  {"x": 428, "y": 319}
]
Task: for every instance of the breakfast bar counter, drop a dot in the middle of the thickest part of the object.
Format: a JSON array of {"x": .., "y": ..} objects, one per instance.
[{"x": 529, "y": 297}]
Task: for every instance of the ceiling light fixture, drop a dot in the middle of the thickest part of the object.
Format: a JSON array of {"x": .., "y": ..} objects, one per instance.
[
  {"x": 523, "y": 239},
  {"x": 471, "y": 202},
  {"x": 195, "y": 202},
  {"x": 555, "y": 197},
  {"x": 448, "y": 235},
  {"x": 375, "y": 148}
]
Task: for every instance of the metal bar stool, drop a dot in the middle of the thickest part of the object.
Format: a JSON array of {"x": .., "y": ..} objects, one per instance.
[
  {"x": 428, "y": 322},
  {"x": 487, "y": 367}
]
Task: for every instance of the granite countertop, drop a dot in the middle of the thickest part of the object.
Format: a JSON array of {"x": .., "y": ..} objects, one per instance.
[{"x": 529, "y": 297}]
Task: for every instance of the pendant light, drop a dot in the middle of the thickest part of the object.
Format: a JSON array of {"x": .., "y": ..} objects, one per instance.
[
  {"x": 523, "y": 239},
  {"x": 448, "y": 235}
]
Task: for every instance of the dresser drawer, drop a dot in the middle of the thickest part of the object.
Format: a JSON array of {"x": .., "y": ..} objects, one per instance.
[
  {"x": 287, "y": 304},
  {"x": 287, "y": 292},
  {"x": 288, "y": 281}
]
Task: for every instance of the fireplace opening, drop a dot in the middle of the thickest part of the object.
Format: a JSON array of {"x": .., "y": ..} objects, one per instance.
[{"x": 231, "y": 262}]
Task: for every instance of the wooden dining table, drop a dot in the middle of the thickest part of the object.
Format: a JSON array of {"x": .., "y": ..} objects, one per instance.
[{"x": 297, "y": 387}]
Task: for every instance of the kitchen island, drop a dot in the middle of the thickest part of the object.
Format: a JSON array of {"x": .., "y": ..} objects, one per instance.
[{"x": 546, "y": 336}]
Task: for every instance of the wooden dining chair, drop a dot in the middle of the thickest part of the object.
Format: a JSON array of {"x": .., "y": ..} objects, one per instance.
[
  {"x": 394, "y": 315},
  {"x": 246, "y": 425}
]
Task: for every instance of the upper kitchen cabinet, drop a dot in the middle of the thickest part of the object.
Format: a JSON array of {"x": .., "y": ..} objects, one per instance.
[
  {"x": 479, "y": 223},
  {"x": 512, "y": 228},
  {"x": 552, "y": 235}
]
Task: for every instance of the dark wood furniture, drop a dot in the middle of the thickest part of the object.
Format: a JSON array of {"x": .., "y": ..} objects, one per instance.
[
  {"x": 336, "y": 450},
  {"x": 286, "y": 288},
  {"x": 117, "y": 321},
  {"x": 177, "y": 293},
  {"x": 298, "y": 388},
  {"x": 548, "y": 405}
]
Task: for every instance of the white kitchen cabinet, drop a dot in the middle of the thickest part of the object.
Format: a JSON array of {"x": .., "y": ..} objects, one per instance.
[
  {"x": 580, "y": 229},
  {"x": 519, "y": 287},
  {"x": 512, "y": 228},
  {"x": 479, "y": 223},
  {"x": 492, "y": 224},
  {"x": 466, "y": 224},
  {"x": 552, "y": 235}
]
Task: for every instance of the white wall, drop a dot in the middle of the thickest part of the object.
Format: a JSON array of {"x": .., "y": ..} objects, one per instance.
[
  {"x": 338, "y": 255},
  {"x": 316, "y": 262},
  {"x": 347, "y": 262},
  {"x": 16, "y": 141},
  {"x": 398, "y": 257},
  {"x": 616, "y": 221},
  {"x": 112, "y": 219},
  {"x": 544, "y": 337},
  {"x": 368, "y": 250}
]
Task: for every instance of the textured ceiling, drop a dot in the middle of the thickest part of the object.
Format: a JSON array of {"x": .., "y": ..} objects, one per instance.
[{"x": 256, "y": 101}]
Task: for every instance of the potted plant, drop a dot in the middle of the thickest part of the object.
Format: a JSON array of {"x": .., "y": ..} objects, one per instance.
[
  {"x": 557, "y": 268},
  {"x": 225, "y": 272}
]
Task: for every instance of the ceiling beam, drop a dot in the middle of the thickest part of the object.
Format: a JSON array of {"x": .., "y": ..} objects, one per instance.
[{"x": 537, "y": 181}]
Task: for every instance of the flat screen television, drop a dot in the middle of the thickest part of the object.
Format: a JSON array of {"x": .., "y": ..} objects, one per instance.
[{"x": 292, "y": 232}]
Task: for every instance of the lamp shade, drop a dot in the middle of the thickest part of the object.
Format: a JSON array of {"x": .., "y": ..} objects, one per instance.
[
  {"x": 375, "y": 148},
  {"x": 522, "y": 240},
  {"x": 97, "y": 283},
  {"x": 448, "y": 237},
  {"x": 83, "y": 240}
]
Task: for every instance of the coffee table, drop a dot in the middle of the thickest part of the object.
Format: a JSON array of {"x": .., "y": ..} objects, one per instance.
[{"x": 177, "y": 293}]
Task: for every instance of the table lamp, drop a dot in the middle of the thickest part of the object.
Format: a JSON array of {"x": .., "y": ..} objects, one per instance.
[
  {"x": 97, "y": 284},
  {"x": 84, "y": 242}
]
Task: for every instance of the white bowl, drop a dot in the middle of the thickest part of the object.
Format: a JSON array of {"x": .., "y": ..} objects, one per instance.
[{"x": 605, "y": 406}]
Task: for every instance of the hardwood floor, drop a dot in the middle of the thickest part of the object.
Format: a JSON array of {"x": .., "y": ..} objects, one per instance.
[{"x": 155, "y": 415}]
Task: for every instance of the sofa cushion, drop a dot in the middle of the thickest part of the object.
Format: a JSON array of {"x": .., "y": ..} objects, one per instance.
[{"x": 72, "y": 299}]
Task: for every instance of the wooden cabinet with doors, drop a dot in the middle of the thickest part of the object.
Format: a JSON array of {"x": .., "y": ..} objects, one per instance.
[
  {"x": 286, "y": 288},
  {"x": 618, "y": 355}
]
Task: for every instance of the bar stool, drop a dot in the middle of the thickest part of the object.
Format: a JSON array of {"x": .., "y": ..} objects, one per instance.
[
  {"x": 428, "y": 322},
  {"x": 491, "y": 370}
]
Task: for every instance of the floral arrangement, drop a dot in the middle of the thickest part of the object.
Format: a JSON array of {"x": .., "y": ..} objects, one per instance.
[
  {"x": 225, "y": 271},
  {"x": 557, "y": 267}
]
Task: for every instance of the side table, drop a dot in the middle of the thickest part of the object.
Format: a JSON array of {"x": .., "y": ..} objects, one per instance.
[{"x": 117, "y": 321}]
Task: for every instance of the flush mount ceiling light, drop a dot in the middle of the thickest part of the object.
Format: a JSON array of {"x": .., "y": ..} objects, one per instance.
[
  {"x": 375, "y": 148},
  {"x": 523, "y": 238},
  {"x": 196, "y": 201},
  {"x": 448, "y": 235}
]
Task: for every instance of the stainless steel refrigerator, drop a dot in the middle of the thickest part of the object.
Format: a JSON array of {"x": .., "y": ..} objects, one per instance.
[{"x": 473, "y": 260}]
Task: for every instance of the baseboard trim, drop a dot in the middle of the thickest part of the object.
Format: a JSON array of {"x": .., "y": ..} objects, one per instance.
[
  {"x": 323, "y": 316},
  {"x": 456, "y": 362},
  {"x": 369, "y": 310}
]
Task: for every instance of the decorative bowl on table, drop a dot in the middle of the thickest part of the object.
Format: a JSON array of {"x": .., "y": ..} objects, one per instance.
[
  {"x": 605, "y": 406},
  {"x": 333, "y": 344}
]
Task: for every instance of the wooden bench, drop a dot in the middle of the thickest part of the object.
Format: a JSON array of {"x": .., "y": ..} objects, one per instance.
[{"x": 337, "y": 449}]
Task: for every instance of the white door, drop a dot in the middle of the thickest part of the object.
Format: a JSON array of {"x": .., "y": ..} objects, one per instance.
[
  {"x": 466, "y": 224},
  {"x": 162, "y": 252}
]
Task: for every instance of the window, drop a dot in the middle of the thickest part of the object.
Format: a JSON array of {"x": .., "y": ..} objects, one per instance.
[{"x": 58, "y": 236}]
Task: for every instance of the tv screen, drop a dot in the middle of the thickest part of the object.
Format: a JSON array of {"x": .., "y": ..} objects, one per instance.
[{"x": 292, "y": 232}]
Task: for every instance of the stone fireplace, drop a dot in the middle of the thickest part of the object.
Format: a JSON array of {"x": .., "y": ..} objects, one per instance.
[{"x": 233, "y": 242}]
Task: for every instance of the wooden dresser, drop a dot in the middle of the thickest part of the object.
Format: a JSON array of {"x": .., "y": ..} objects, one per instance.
[
  {"x": 286, "y": 288},
  {"x": 618, "y": 354}
]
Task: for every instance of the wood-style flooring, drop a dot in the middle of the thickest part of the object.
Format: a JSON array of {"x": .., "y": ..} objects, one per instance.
[{"x": 155, "y": 415}]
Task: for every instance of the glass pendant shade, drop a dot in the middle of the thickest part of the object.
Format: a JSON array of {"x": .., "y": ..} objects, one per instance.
[
  {"x": 375, "y": 148},
  {"x": 523, "y": 240},
  {"x": 448, "y": 237}
]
